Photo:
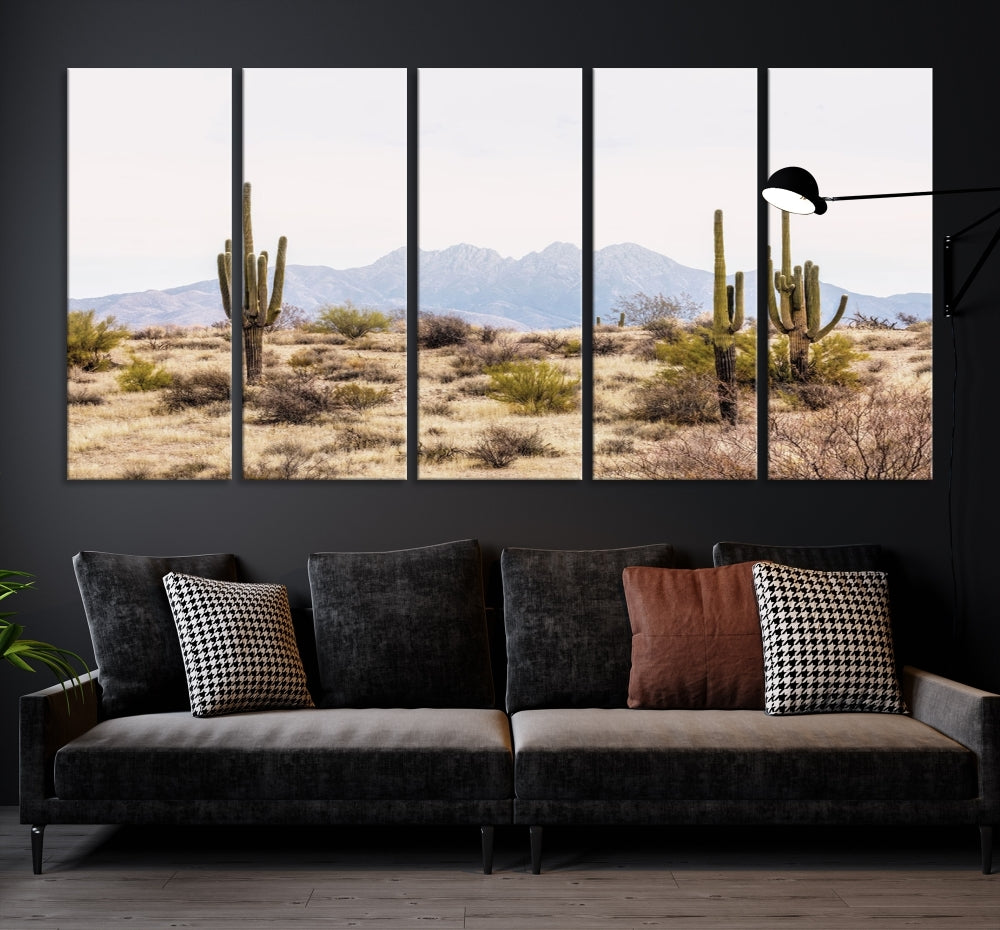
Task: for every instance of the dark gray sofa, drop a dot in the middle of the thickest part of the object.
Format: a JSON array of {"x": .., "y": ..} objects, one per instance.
[
  {"x": 581, "y": 756},
  {"x": 564, "y": 750}
]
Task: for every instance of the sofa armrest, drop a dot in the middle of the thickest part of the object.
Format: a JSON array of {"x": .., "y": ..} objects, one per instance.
[
  {"x": 967, "y": 715},
  {"x": 49, "y": 719}
]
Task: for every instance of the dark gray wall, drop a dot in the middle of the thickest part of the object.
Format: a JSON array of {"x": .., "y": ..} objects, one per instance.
[{"x": 272, "y": 526}]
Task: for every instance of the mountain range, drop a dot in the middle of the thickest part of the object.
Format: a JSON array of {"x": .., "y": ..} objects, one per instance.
[{"x": 542, "y": 290}]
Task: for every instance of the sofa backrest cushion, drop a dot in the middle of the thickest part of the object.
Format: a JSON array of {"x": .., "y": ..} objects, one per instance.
[
  {"x": 132, "y": 629},
  {"x": 696, "y": 641},
  {"x": 569, "y": 640},
  {"x": 404, "y": 628},
  {"x": 863, "y": 557}
]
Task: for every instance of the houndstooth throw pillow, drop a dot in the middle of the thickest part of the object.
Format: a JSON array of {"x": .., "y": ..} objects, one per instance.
[
  {"x": 827, "y": 641},
  {"x": 238, "y": 645}
]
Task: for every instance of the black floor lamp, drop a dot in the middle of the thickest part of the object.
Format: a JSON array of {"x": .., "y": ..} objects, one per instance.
[{"x": 795, "y": 190}]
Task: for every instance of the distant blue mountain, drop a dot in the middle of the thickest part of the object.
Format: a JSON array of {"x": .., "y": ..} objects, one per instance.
[{"x": 542, "y": 290}]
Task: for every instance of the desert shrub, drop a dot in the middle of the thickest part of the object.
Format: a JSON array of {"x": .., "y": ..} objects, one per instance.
[
  {"x": 437, "y": 408},
  {"x": 677, "y": 396},
  {"x": 830, "y": 361},
  {"x": 89, "y": 343},
  {"x": 533, "y": 387},
  {"x": 437, "y": 453},
  {"x": 83, "y": 397},
  {"x": 604, "y": 344},
  {"x": 143, "y": 375},
  {"x": 359, "y": 397},
  {"x": 287, "y": 460},
  {"x": 476, "y": 358},
  {"x": 359, "y": 438},
  {"x": 198, "y": 389},
  {"x": 881, "y": 434},
  {"x": 645, "y": 309},
  {"x": 437, "y": 331},
  {"x": 499, "y": 445},
  {"x": 351, "y": 321},
  {"x": 291, "y": 400},
  {"x": 571, "y": 347},
  {"x": 699, "y": 452}
]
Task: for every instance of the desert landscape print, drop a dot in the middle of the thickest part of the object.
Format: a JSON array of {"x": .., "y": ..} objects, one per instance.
[{"x": 319, "y": 309}]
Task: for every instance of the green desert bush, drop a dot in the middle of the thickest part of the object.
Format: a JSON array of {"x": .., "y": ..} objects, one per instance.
[
  {"x": 533, "y": 387},
  {"x": 143, "y": 375},
  {"x": 89, "y": 342},
  {"x": 359, "y": 397},
  {"x": 351, "y": 321}
]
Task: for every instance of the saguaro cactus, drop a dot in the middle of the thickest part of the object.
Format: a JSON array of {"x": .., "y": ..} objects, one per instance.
[
  {"x": 793, "y": 303},
  {"x": 727, "y": 320},
  {"x": 258, "y": 311}
]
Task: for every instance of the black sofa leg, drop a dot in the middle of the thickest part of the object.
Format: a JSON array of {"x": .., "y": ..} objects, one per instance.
[
  {"x": 535, "y": 833},
  {"x": 986, "y": 843},
  {"x": 487, "y": 832},
  {"x": 37, "y": 835}
]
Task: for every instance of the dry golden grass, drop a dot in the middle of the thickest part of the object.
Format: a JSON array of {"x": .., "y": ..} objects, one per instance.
[
  {"x": 113, "y": 434},
  {"x": 340, "y": 442},
  {"x": 457, "y": 415}
]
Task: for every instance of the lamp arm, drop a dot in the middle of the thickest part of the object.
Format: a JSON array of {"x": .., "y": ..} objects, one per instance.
[{"x": 961, "y": 190}]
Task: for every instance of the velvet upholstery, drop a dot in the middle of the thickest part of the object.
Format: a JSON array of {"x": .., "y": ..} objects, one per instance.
[
  {"x": 735, "y": 755},
  {"x": 345, "y": 753},
  {"x": 569, "y": 640},
  {"x": 864, "y": 557},
  {"x": 404, "y": 628},
  {"x": 132, "y": 628}
]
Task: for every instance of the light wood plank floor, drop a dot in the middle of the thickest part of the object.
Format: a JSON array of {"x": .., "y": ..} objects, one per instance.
[{"x": 97, "y": 878}]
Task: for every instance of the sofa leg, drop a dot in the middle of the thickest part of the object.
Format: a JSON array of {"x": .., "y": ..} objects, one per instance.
[
  {"x": 37, "y": 835},
  {"x": 986, "y": 844},
  {"x": 487, "y": 832},
  {"x": 535, "y": 833}
]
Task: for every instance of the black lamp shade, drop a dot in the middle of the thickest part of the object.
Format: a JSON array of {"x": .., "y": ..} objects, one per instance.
[{"x": 795, "y": 190}]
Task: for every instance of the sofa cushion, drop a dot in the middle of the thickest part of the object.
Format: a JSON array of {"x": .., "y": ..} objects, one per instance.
[
  {"x": 695, "y": 638},
  {"x": 569, "y": 641},
  {"x": 405, "y": 628},
  {"x": 721, "y": 755},
  {"x": 343, "y": 753},
  {"x": 238, "y": 645},
  {"x": 827, "y": 641},
  {"x": 132, "y": 629},
  {"x": 862, "y": 557}
]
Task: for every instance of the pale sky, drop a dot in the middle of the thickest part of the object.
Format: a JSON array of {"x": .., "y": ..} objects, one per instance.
[
  {"x": 500, "y": 158},
  {"x": 672, "y": 146},
  {"x": 149, "y": 177},
  {"x": 500, "y": 164},
  {"x": 324, "y": 150},
  {"x": 858, "y": 131}
]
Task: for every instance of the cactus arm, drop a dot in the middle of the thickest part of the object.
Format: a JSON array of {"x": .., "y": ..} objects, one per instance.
[
  {"x": 772, "y": 303},
  {"x": 261, "y": 287},
  {"x": 250, "y": 308},
  {"x": 836, "y": 319},
  {"x": 225, "y": 265},
  {"x": 736, "y": 318},
  {"x": 278, "y": 285}
]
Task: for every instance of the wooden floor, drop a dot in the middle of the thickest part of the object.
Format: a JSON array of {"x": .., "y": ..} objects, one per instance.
[{"x": 97, "y": 878}]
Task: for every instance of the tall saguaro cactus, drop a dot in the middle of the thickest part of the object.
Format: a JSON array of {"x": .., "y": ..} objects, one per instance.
[
  {"x": 796, "y": 310},
  {"x": 727, "y": 320},
  {"x": 258, "y": 311}
]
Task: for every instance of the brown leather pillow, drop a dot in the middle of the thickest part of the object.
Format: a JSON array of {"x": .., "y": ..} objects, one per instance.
[{"x": 696, "y": 640}]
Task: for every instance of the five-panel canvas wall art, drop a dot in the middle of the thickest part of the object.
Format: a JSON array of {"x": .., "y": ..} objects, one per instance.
[{"x": 592, "y": 296}]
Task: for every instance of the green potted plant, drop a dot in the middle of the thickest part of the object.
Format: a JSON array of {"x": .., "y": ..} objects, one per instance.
[{"x": 20, "y": 652}]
